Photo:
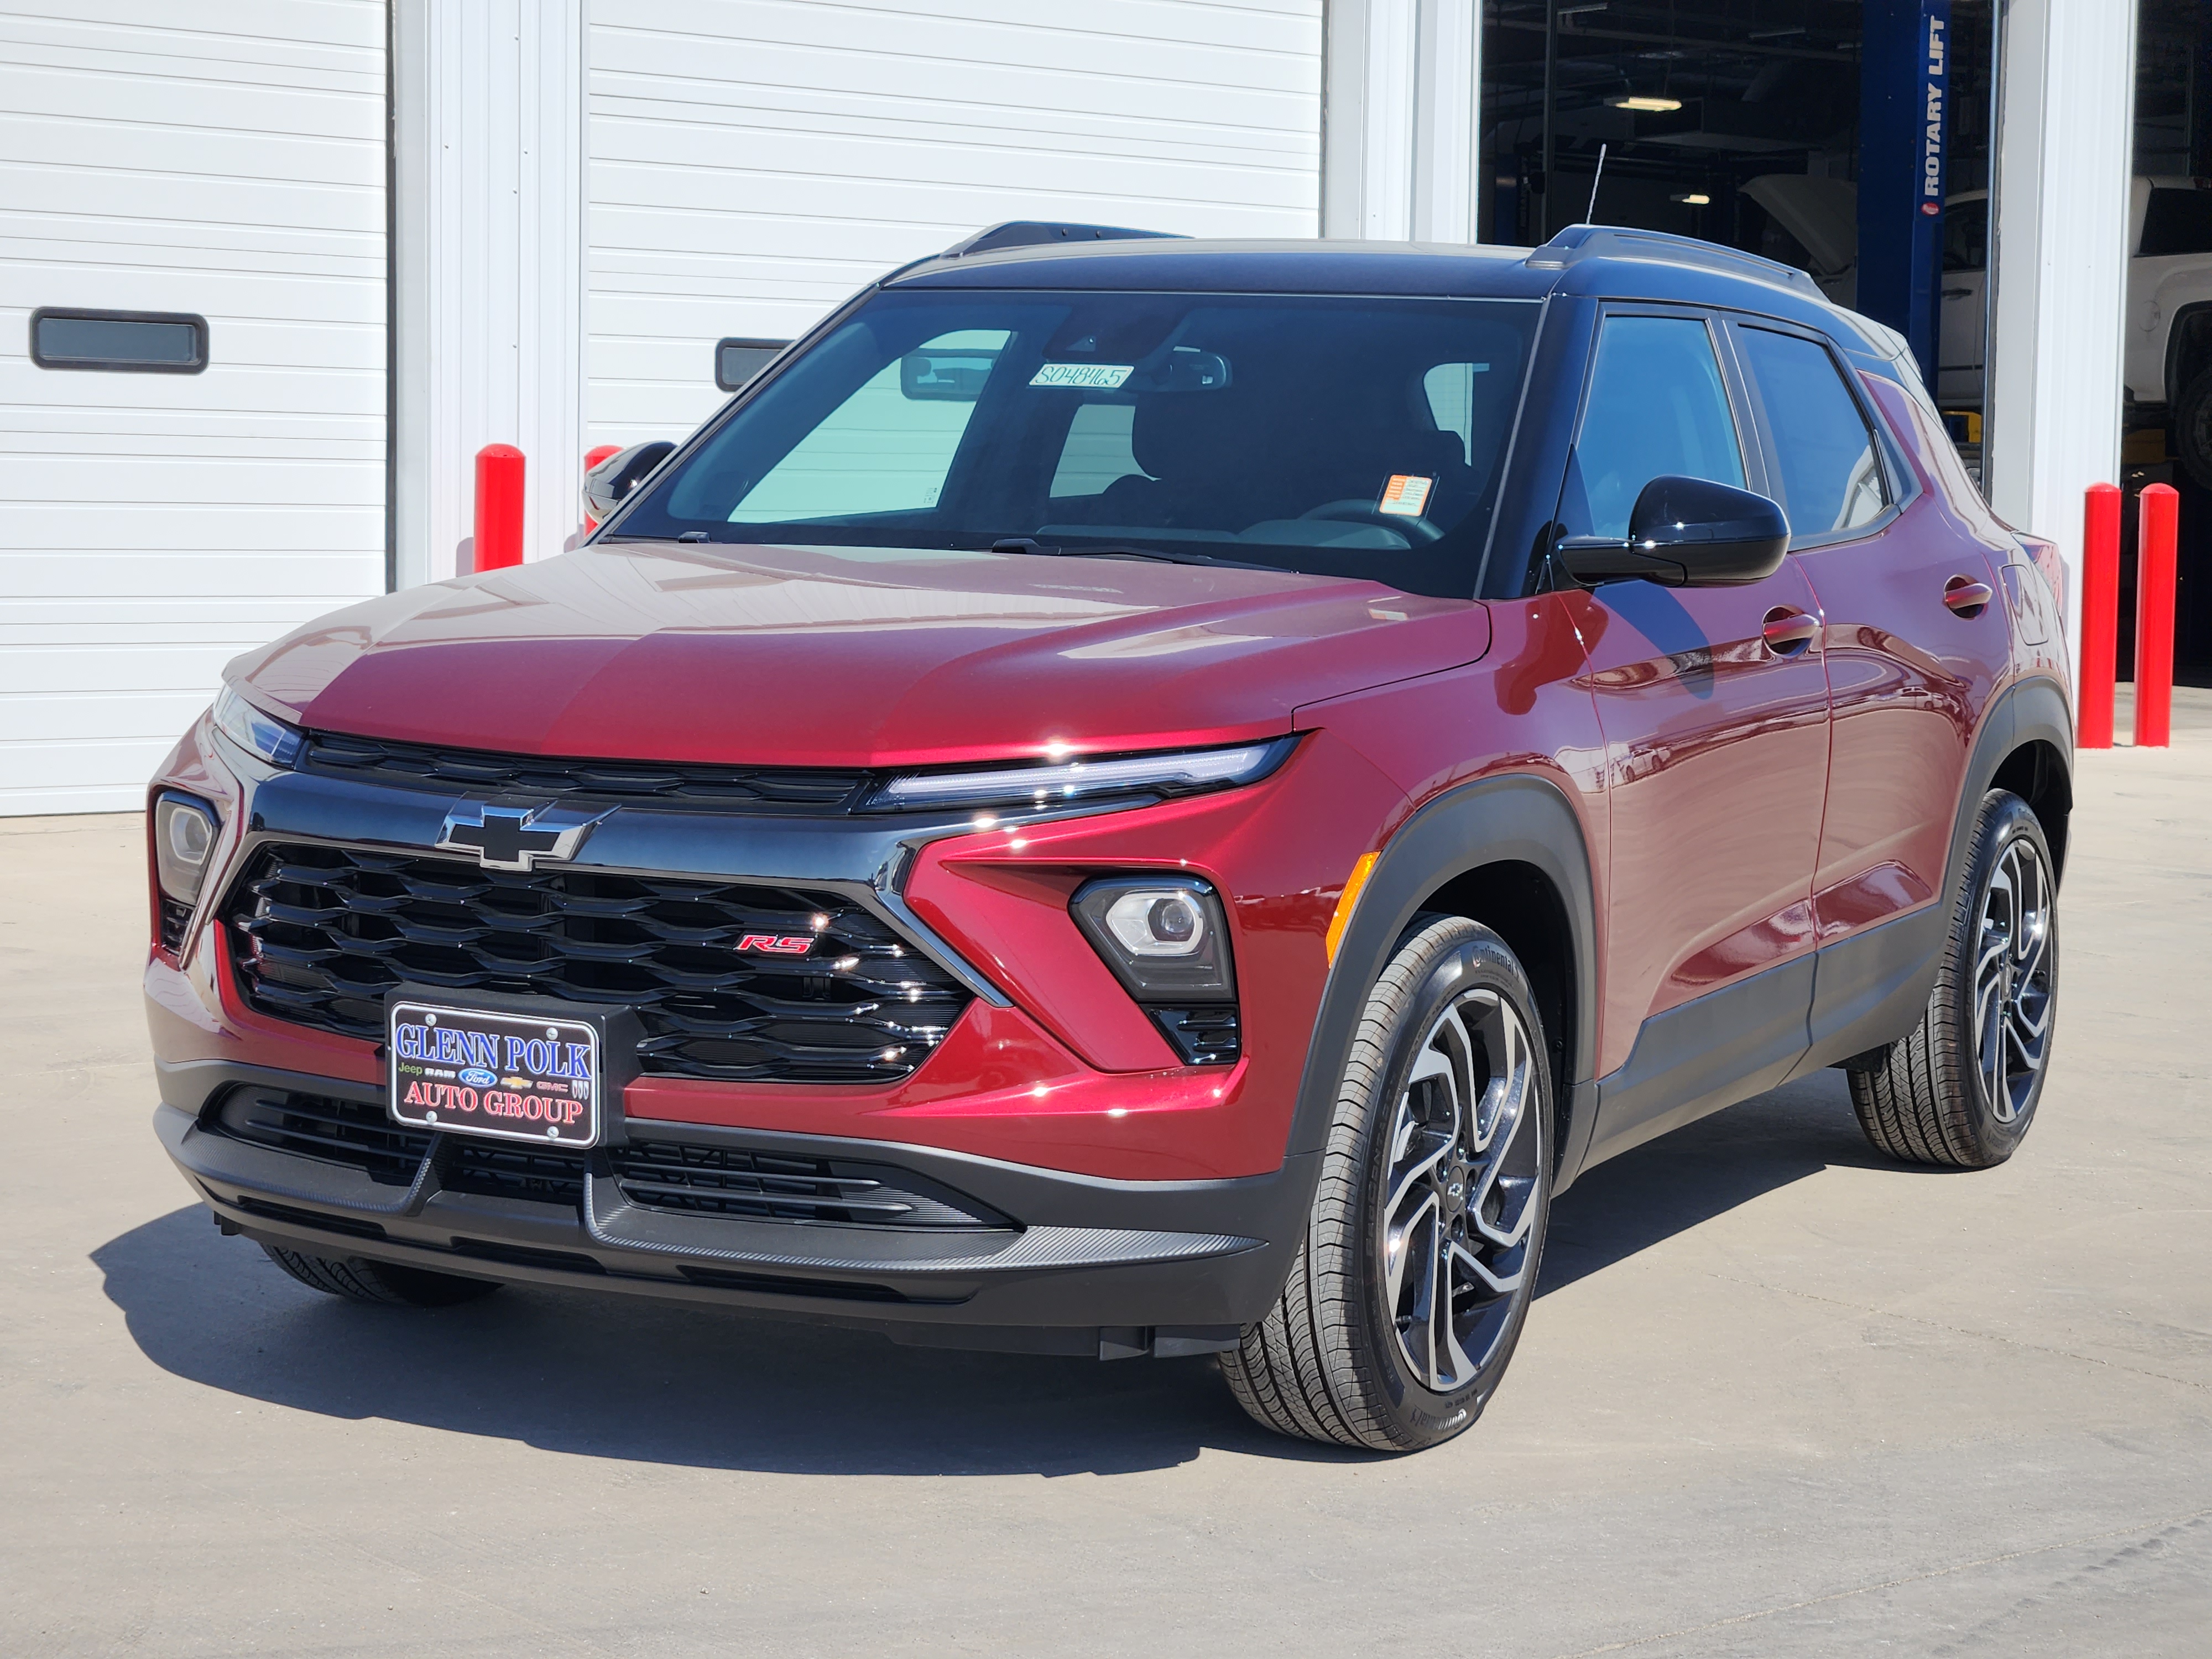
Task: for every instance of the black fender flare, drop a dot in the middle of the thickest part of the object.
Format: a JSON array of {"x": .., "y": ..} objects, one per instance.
[
  {"x": 1518, "y": 817},
  {"x": 2030, "y": 710}
]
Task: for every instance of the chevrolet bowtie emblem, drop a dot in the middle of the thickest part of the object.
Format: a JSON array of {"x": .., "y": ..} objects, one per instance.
[{"x": 515, "y": 837}]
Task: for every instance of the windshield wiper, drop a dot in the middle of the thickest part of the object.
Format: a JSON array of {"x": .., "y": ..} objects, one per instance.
[{"x": 1030, "y": 544}]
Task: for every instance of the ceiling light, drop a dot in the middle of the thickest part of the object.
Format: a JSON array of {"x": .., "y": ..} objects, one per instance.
[
  {"x": 1695, "y": 198},
  {"x": 1646, "y": 106}
]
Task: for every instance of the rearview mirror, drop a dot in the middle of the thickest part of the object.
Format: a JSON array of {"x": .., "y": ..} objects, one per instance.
[
  {"x": 1686, "y": 532},
  {"x": 950, "y": 374},
  {"x": 606, "y": 484}
]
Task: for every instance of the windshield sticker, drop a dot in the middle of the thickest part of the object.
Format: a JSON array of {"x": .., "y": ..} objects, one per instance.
[
  {"x": 1406, "y": 494},
  {"x": 1091, "y": 377}
]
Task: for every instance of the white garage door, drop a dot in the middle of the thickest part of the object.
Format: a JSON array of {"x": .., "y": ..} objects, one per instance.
[
  {"x": 753, "y": 162},
  {"x": 226, "y": 159}
]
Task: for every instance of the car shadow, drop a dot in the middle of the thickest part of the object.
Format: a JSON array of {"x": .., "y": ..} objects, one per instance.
[
  {"x": 1674, "y": 1184},
  {"x": 610, "y": 1376}
]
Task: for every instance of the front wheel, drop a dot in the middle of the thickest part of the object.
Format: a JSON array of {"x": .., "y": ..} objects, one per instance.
[
  {"x": 1960, "y": 1089},
  {"x": 1410, "y": 1287},
  {"x": 357, "y": 1280}
]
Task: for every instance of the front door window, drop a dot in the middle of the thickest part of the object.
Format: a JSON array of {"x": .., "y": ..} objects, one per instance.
[{"x": 1656, "y": 407}]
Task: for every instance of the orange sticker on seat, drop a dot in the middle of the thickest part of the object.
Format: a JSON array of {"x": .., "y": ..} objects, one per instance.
[{"x": 1406, "y": 494}]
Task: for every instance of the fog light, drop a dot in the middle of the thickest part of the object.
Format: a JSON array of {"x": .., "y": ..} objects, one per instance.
[
  {"x": 1164, "y": 937},
  {"x": 183, "y": 836},
  {"x": 1153, "y": 923}
]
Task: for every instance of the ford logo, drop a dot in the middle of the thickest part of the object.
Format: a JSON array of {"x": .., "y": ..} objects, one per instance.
[{"x": 477, "y": 1078}]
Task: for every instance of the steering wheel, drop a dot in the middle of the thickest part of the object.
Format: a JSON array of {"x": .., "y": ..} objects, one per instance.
[{"x": 1358, "y": 510}]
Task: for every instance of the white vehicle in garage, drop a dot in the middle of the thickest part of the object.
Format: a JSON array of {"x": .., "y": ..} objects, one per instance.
[{"x": 2166, "y": 356}]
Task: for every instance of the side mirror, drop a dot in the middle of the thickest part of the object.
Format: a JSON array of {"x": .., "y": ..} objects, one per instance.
[
  {"x": 607, "y": 483},
  {"x": 1686, "y": 532}
]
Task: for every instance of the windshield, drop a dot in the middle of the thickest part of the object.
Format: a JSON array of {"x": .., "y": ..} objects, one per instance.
[{"x": 1355, "y": 437}]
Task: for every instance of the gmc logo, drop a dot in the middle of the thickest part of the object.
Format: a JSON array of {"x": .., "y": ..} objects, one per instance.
[{"x": 778, "y": 945}]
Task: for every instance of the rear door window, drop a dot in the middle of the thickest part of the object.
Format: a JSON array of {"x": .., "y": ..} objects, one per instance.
[
  {"x": 1658, "y": 407},
  {"x": 1821, "y": 456}
]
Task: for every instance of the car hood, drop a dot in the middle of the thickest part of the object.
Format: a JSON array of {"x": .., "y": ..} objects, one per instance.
[{"x": 838, "y": 656}]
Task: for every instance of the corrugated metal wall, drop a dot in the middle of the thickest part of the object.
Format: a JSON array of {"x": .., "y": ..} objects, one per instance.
[
  {"x": 753, "y": 162},
  {"x": 227, "y": 159}
]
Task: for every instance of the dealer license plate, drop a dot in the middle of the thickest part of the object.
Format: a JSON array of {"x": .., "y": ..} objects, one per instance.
[{"x": 478, "y": 1072}]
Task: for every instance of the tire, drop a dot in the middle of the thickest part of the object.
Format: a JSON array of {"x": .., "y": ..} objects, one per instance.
[
  {"x": 2192, "y": 427},
  {"x": 1350, "y": 1353},
  {"x": 1959, "y": 1090},
  {"x": 361, "y": 1280}
]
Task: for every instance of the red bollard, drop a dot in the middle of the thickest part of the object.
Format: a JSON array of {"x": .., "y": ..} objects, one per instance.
[
  {"x": 2101, "y": 615},
  {"x": 499, "y": 507},
  {"x": 2156, "y": 532}
]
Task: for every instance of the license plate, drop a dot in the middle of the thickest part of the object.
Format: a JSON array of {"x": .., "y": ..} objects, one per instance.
[{"x": 482, "y": 1072}]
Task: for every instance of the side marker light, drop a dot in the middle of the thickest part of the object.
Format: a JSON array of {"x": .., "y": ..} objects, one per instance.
[{"x": 1347, "y": 900}]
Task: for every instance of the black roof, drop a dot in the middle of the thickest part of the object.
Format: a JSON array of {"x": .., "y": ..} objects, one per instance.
[{"x": 1605, "y": 261}]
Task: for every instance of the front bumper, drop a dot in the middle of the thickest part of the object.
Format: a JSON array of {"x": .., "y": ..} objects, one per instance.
[{"x": 1085, "y": 1264}]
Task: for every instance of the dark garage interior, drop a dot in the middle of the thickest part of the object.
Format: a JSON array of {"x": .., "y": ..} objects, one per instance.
[{"x": 1781, "y": 127}]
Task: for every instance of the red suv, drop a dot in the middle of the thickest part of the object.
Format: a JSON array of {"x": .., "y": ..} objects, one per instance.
[{"x": 1150, "y": 797}]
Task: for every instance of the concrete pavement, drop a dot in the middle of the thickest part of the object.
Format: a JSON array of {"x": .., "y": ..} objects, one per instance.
[{"x": 1778, "y": 1398}]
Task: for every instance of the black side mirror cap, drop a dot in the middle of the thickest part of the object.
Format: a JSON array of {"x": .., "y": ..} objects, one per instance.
[
  {"x": 1686, "y": 532},
  {"x": 606, "y": 484}
]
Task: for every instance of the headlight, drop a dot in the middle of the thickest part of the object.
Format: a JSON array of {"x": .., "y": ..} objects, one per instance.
[
  {"x": 1176, "y": 772},
  {"x": 258, "y": 733},
  {"x": 184, "y": 835}
]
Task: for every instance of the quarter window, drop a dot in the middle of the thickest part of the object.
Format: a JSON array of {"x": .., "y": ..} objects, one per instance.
[
  {"x": 1824, "y": 459},
  {"x": 1657, "y": 408}
]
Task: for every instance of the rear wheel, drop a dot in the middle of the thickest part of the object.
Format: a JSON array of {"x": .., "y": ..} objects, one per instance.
[
  {"x": 1409, "y": 1290},
  {"x": 359, "y": 1279},
  {"x": 1960, "y": 1089}
]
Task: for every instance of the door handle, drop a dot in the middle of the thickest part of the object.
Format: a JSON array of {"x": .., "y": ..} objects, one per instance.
[
  {"x": 1966, "y": 596},
  {"x": 1787, "y": 632},
  {"x": 1956, "y": 292}
]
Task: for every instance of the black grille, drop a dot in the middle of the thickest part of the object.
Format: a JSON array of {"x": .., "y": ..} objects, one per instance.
[
  {"x": 727, "y": 789},
  {"x": 730, "y": 1181},
  {"x": 486, "y": 1166},
  {"x": 348, "y": 1132},
  {"x": 679, "y": 1176},
  {"x": 175, "y": 918},
  {"x": 1204, "y": 1036},
  {"x": 323, "y": 932}
]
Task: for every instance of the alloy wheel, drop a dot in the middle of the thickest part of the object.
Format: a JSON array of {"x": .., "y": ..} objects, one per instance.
[
  {"x": 2012, "y": 980},
  {"x": 1459, "y": 1190}
]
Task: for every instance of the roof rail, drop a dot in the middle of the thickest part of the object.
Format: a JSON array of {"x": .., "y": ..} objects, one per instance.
[
  {"x": 1579, "y": 242},
  {"x": 1030, "y": 233}
]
